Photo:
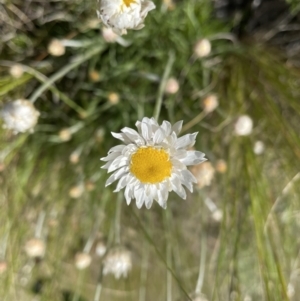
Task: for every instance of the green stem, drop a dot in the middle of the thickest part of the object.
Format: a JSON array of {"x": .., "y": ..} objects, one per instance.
[
  {"x": 63, "y": 71},
  {"x": 162, "y": 86}
]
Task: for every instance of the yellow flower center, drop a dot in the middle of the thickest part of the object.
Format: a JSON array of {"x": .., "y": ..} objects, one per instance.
[
  {"x": 151, "y": 165},
  {"x": 128, "y": 2}
]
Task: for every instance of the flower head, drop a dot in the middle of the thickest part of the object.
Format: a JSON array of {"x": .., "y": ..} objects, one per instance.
[
  {"x": 117, "y": 262},
  {"x": 121, "y": 15},
  {"x": 152, "y": 162},
  {"x": 20, "y": 116}
]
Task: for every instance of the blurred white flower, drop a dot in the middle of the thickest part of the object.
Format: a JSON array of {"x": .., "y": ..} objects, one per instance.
[
  {"x": 152, "y": 162},
  {"x": 56, "y": 48},
  {"x": 243, "y": 126},
  {"x": 16, "y": 71},
  {"x": 82, "y": 261},
  {"x": 117, "y": 262},
  {"x": 172, "y": 86},
  {"x": 210, "y": 103},
  {"x": 20, "y": 116},
  {"x": 202, "y": 48},
  {"x": 259, "y": 147},
  {"x": 204, "y": 174},
  {"x": 121, "y": 15},
  {"x": 35, "y": 248}
]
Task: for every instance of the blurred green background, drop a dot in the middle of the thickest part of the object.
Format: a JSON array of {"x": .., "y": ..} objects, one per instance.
[{"x": 236, "y": 237}]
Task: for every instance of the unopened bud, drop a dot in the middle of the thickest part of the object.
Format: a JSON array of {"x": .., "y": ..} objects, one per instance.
[
  {"x": 172, "y": 86},
  {"x": 94, "y": 76},
  {"x": 76, "y": 191},
  {"x": 259, "y": 147},
  {"x": 221, "y": 166},
  {"x": 210, "y": 103},
  {"x": 113, "y": 98},
  {"x": 16, "y": 71},
  {"x": 35, "y": 248},
  {"x": 202, "y": 48},
  {"x": 65, "y": 135},
  {"x": 56, "y": 48},
  {"x": 243, "y": 126},
  {"x": 82, "y": 261}
]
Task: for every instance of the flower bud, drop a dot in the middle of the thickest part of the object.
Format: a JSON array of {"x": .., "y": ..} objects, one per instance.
[
  {"x": 221, "y": 166},
  {"x": 202, "y": 48},
  {"x": 56, "y": 48},
  {"x": 113, "y": 98},
  {"x": 210, "y": 103},
  {"x": 82, "y": 261},
  {"x": 35, "y": 248},
  {"x": 243, "y": 126},
  {"x": 76, "y": 191},
  {"x": 16, "y": 71},
  {"x": 259, "y": 147},
  {"x": 172, "y": 86}
]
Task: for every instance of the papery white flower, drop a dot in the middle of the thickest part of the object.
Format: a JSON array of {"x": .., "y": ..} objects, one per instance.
[
  {"x": 117, "y": 262},
  {"x": 152, "y": 162},
  {"x": 20, "y": 116},
  {"x": 243, "y": 126},
  {"x": 121, "y": 15}
]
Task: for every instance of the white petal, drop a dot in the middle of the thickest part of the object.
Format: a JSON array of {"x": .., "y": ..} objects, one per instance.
[
  {"x": 177, "y": 127},
  {"x": 133, "y": 135},
  {"x": 176, "y": 186},
  {"x": 117, "y": 148},
  {"x": 177, "y": 164},
  {"x": 117, "y": 163},
  {"x": 127, "y": 194},
  {"x": 166, "y": 126},
  {"x": 148, "y": 202},
  {"x": 139, "y": 196},
  {"x": 111, "y": 156},
  {"x": 121, "y": 137},
  {"x": 146, "y": 131},
  {"x": 193, "y": 157},
  {"x": 117, "y": 175},
  {"x": 121, "y": 184},
  {"x": 159, "y": 136},
  {"x": 189, "y": 176},
  {"x": 186, "y": 141}
]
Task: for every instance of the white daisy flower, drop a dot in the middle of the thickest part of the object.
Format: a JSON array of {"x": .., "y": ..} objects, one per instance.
[
  {"x": 20, "y": 116},
  {"x": 152, "y": 162},
  {"x": 121, "y": 15},
  {"x": 117, "y": 262}
]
